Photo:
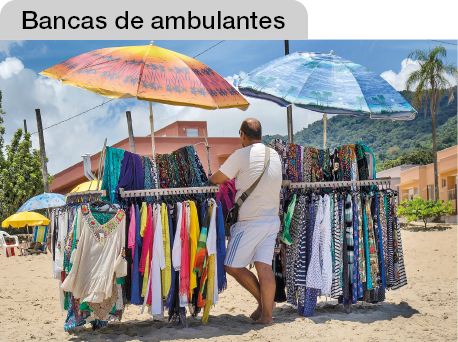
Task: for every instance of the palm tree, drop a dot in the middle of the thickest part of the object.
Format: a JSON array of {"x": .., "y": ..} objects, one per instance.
[
  {"x": 327, "y": 95},
  {"x": 360, "y": 100},
  {"x": 317, "y": 94},
  {"x": 431, "y": 79}
]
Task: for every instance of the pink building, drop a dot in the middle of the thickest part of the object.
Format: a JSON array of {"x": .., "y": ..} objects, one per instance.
[{"x": 168, "y": 139}]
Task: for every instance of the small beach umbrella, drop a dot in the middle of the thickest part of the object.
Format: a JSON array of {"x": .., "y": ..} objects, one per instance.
[
  {"x": 148, "y": 73},
  {"x": 43, "y": 201},
  {"x": 328, "y": 84},
  {"x": 86, "y": 186},
  {"x": 23, "y": 219}
]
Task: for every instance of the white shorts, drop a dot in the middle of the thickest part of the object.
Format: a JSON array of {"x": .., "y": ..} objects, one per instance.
[{"x": 252, "y": 240}]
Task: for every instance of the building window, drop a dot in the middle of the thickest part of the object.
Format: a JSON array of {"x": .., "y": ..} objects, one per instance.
[
  {"x": 416, "y": 191},
  {"x": 192, "y": 132},
  {"x": 444, "y": 183}
]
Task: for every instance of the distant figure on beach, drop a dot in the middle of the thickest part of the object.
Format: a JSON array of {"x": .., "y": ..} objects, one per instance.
[{"x": 253, "y": 237}]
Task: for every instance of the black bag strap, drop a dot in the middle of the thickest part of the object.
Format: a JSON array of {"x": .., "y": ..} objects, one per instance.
[{"x": 247, "y": 193}]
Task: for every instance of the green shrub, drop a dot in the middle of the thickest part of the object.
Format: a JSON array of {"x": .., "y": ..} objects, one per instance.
[{"x": 419, "y": 209}]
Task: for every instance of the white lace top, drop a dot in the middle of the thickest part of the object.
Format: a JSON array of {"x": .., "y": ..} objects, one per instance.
[{"x": 100, "y": 256}]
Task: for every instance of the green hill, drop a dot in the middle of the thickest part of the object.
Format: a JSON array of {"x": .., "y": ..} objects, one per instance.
[{"x": 388, "y": 139}]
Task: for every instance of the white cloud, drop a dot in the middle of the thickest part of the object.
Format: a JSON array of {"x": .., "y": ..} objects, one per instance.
[
  {"x": 23, "y": 91},
  {"x": 10, "y": 66},
  {"x": 398, "y": 81},
  {"x": 6, "y": 45}
]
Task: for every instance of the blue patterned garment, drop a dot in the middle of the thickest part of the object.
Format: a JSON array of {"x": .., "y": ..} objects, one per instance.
[
  {"x": 221, "y": 249},
  {"x": 366, "y": 245},
  {"x": 148, "y": 178},
  {"x": 75, "y": 317},
  {"x": 381, "y": 257},
  {"x": 301, "y": 264},
  {"x": 357, "y": 289},
  {"x": 137, "y": 278},
  {"x": 311, "y": 294}
]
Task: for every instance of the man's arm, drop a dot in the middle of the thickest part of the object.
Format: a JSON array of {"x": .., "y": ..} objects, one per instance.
[{"x": 218, "y": 178}]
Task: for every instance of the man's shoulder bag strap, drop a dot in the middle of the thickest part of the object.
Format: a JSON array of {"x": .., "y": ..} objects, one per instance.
[{"x": 247, "y": 193}]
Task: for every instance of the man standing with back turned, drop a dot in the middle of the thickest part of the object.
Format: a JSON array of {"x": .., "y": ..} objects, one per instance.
[{"x": 253, "y": 236}]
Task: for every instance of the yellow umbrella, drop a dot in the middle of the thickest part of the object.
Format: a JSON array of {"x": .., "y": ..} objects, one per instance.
[
  {"x": 86, "y": 186},
  {"x": 27, "y": 218}
]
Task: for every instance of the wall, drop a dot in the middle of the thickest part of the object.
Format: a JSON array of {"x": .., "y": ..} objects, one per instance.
[{"x": 422, "y": 176}]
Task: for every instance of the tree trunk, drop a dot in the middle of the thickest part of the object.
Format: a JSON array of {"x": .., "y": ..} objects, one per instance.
[
  {"x": 438, "y": 103},
  {"x": 425, "y": 223},
  {"x": 433, "y": 124},
  {"x": 426, "y": 103}
]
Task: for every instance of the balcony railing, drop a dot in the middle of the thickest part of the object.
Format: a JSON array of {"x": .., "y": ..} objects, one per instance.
[{"x": 451, "y": 194}]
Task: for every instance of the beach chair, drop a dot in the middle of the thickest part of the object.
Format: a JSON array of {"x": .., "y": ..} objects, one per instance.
[
  {"x": 5, "y": 246},
  {"x": 40, "y": 238}
]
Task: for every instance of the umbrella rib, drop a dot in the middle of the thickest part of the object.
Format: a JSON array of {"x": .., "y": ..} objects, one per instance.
[
  {"x": 364, "y": 97},
  {"x": 84, "y": 66},
  {"x": 182, "y": 61},
  {"x": 140, "y": 75},
  {"x": 295, "y": 99},
  {"x": 265, "y": 69}
]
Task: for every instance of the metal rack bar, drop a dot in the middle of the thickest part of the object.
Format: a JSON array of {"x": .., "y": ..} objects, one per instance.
[
  {"x": 338, "y": 184},
  {"x": 215, "y": 188},
  {"x": 171, "y": 191},
  {"x": 88, "y": 193},
  {"x": 91, "y": 194}
]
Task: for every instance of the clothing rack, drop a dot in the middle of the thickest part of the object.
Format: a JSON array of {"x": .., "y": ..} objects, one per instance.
[
  {"x": 215, "y": 188},
  {"x": 88, "y": 195},
  {"x": 338, "y": 184},
  {"x": 170, "y": 191}
]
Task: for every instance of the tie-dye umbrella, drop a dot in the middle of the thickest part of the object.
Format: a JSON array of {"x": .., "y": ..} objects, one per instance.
[
  {"x": 328, "y": 84},
  {"x": 46, "y": 200},
  {"x": 149, "y": 73}
]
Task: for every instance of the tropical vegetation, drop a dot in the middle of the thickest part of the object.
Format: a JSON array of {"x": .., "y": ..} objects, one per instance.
[
  {"x": 431, "y": 81},
  {"x": 20, "y": 171},
  {"x": 390, "y": 140},
  {"x": 420, "y": 209}
]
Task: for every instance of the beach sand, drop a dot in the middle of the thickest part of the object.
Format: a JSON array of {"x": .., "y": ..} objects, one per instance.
[{"x": 424, "y": 310}]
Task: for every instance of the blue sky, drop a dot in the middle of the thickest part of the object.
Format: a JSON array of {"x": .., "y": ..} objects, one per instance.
[
  {"x": 24, "y": 90},
  {"x": 231, "y": 57}
]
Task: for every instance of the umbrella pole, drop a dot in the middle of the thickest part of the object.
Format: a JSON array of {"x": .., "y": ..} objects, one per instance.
[
  {"x": 325, "y": 121},
  {"x": 289, "y": 113},
  {"x": 151, "y": 121}
]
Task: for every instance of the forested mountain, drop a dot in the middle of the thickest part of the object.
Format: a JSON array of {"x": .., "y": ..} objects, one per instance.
[{"x": 388, "y": 139}]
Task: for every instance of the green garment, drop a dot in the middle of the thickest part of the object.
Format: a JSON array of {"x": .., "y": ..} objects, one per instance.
[
  {"x": 287, "y": 221},
  {"x": 111, "y": 171},
  {"x": 368, "y": 150}
]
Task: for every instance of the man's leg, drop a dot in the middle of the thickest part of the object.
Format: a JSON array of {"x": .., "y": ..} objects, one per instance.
[
  {"x": 267, "y": 289},
  {"x": 249, "y": 281}
]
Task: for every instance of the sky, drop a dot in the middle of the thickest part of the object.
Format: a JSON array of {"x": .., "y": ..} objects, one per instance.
[{"x": 24, "y": 90}]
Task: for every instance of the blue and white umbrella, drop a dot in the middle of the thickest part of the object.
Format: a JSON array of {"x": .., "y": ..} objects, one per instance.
[
  {"x": 46, "y": 200},
  {"x": 328, "y": 84}
]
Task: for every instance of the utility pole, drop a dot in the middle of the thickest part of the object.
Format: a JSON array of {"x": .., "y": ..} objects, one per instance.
[
  {"x": 131, "y": 132},
  {"x": 44, "y": 168},
  {"x": 25, "y": 127},
  {"x": 289, "y": 109}
]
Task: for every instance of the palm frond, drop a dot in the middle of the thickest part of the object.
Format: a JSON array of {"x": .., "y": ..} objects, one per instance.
[{"x": 418, "y": 55}]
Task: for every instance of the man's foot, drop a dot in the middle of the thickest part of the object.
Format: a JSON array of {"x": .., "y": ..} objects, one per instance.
[
  {"x": 257, "y": 313},
  {"x": 264, "y": 321}
]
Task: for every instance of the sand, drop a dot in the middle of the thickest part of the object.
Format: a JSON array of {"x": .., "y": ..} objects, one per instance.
[{"x": 424, "y": 310}]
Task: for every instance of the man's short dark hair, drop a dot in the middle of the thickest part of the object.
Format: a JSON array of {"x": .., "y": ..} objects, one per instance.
[{"x": 252, "y": 129}]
